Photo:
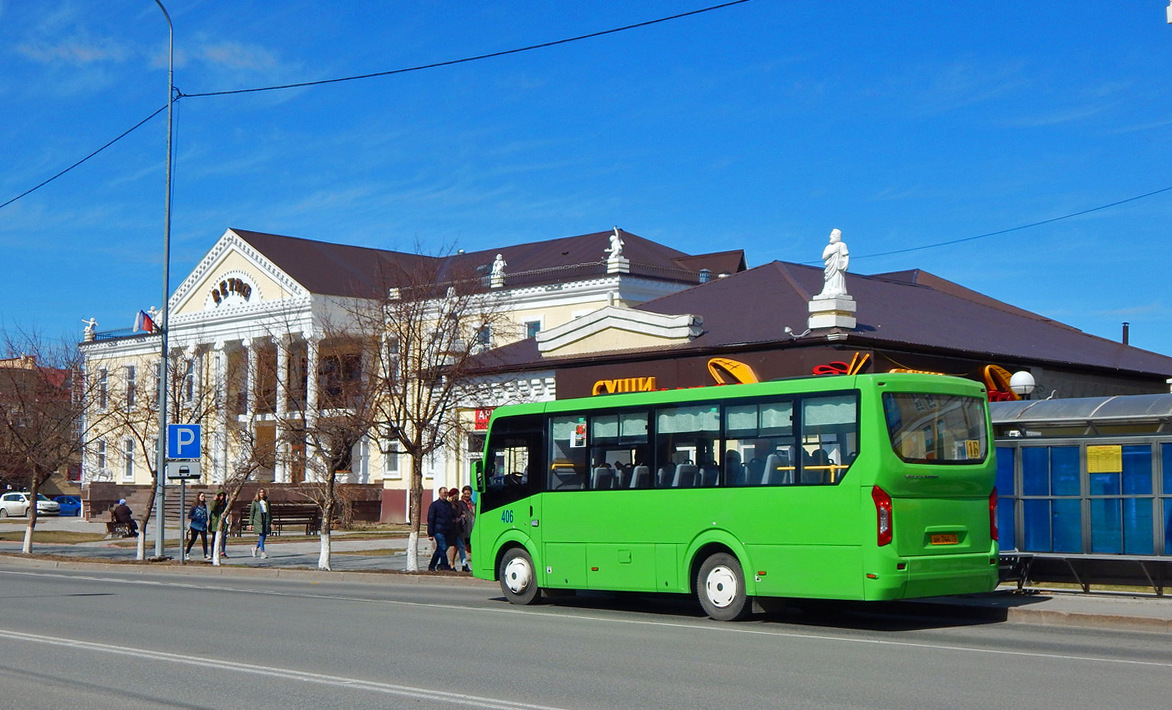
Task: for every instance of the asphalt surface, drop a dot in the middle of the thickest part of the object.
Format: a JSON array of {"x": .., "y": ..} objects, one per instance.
[{"x": 356, "y": 558}]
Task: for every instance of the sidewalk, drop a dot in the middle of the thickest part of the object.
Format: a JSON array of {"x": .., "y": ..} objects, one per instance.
[
  {"x": 389, "y": 554},
  {"x": 348, "y": 554}
]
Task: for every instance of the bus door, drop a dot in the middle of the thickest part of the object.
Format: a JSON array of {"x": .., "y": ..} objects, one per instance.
[{"x": 509, "y": 505}]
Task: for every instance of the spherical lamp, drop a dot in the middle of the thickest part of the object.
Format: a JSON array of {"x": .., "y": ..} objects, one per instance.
[{"x": 1022, "y": 383}]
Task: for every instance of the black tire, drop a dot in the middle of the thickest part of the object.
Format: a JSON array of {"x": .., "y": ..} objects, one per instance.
[
  {"x": 720, "y": 586},
  {"x": 519, "y": 577},
  {"x": 3, "y": 513}
]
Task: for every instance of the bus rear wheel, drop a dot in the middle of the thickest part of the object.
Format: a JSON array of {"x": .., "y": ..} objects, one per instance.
[
  {"x": 720, "y": 585},
  {"x": 518, "y": 577}
]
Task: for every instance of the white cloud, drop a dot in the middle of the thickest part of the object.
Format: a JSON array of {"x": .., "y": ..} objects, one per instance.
[
  {"x": 237, "y": 56},
  {"x": 74, "y": 51}
]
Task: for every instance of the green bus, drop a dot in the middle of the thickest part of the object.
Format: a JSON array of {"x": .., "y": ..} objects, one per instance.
[{"x": 857, "y": 487}]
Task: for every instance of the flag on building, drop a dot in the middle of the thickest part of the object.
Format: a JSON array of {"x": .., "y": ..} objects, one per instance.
[{"x": 144, "y": 322}]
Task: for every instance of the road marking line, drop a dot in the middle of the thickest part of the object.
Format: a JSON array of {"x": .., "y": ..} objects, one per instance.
[
  {"x": 697, "y": 625},
  {"x": 407, "y": 691}
]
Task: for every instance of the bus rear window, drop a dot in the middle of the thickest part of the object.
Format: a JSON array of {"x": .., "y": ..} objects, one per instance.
[{"x": 935, "y": 428}]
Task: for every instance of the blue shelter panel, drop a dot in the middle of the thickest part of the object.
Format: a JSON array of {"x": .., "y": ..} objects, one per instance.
[
  {"x": 1067, "y": 524},
  {"x": 1037, "y": 526},
  {"x": 1137, "y": 470},
  {"x": 1168, "y": 526},
  {"x": 1104, "y": 484},
  {"x": 1005, "y": 498},
  {"x": 1106, "y": 535},
  {"x": 1137, "y": 526},
  {"x": 1166, "y": 450},
  {"x": 1035, "y": 470},
  {"x": 1064, "y": 471}
]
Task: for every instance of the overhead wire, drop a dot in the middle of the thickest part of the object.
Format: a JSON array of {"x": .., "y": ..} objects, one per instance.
[
  {"x": 478, "y": 57},
  {"x": 1018, "y": 228},
  {"x": 180, "y": 95},
  {"x": 463, "y": 60},
  {"x": 71, "y": 167}
]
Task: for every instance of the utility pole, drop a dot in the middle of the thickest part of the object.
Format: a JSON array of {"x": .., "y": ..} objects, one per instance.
[{"x": 163, "y": 325}]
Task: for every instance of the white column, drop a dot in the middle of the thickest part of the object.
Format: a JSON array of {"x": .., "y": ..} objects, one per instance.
[
  {"x": 253, "y": 375},
  {"x": 220, "y": 363},
  {"x": 312, "y": 354},
  {"x": 281, "y": 473}
]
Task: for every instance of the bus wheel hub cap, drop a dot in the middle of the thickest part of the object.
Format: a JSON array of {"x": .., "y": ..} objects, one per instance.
[
  {"x": 518, "y": 575},
  {"x": 721, "y": 586}
]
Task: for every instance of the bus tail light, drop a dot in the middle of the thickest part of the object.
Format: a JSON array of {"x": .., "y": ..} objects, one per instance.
[
  {"x": 993, "y": 533},
  {"x": 882, "y": 515}
]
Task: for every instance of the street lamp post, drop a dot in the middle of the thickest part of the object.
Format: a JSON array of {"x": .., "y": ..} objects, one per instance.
[{"x": 161, "y": 460}]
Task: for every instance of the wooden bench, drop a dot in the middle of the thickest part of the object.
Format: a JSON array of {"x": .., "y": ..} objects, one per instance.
[
  {"x": 284, "y": 515},
  {"x": 308, "y": 516}
]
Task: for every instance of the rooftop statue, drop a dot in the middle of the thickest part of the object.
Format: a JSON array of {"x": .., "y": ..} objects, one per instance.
[
  {"x": 616, "y": 245},
  {"x": 836, "y": 258}
]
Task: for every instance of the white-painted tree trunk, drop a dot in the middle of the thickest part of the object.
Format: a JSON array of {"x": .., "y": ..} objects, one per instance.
[
  {"x": 216, "y": 547},
  {"x": 323, "y": 561},
  {"x": 413, "y": 551},
  {"x": 27, "y": 547},
  {"x": 140, "y": 546}
]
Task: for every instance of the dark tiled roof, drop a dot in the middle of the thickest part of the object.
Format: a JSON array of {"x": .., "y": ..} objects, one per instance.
[
  {"x": 899, "y": 311},
  {"x": 342, "y": 270}
]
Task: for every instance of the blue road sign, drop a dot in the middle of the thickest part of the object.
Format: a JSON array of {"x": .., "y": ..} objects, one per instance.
[{"x": 183, "y": 441}]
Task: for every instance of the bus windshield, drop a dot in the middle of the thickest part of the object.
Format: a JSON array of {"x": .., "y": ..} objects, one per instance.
[{"x": 936, "y": 428}]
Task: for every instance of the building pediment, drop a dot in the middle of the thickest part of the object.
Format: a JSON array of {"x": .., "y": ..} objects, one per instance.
[
  {"x": 618, "y": 328},
  {"x": 233, "y": 275}
]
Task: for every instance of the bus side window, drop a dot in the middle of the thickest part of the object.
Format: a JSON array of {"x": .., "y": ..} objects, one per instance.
[
  {"x": 830, "y": 435},
  {"x": 568, "y": 450}
]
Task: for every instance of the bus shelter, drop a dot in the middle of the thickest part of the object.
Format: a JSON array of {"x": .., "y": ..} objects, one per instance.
[{"x": 1085, "y": 490}]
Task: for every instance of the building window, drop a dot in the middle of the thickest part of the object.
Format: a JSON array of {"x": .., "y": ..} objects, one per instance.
[
  {"x": 101, "y": 456},
  {"x": 391, "y": 462},
  {"x": 189, "y": 381},
  {"x": 103, "y": 392},
  {"x": 531, "y": 328},
  {"x": 128, "y": 459},
  {"x": 131, "y": 385},
  {"x": 484, "y": 336}
]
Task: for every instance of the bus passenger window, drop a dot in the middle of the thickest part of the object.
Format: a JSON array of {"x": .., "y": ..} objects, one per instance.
[
  {"x": 759, "y": 444},
  {"x": 568, "y": 449},
  {"x": 830, "y": 434},
  {"x": 685, "y": 438}
]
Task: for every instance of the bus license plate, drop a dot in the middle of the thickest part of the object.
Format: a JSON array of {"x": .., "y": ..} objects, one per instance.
[{"x": 944, "y": 539}]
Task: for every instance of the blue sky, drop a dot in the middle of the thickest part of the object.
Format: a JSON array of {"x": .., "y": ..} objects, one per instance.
[{"x": 759, "y": 126}]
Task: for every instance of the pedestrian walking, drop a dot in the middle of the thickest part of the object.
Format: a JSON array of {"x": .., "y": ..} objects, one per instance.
[
  {"x": 439, "y": 527},
  {"x": 198, "y": 515},
  {"x": 216, "y": 512},
  {"x": 261, "y": 517}
]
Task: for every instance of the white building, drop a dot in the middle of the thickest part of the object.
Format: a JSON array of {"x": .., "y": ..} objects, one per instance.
[{"x": 251, "y": 320}]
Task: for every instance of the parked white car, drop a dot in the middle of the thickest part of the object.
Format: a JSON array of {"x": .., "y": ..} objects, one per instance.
[{"x": 17, "y": 503}]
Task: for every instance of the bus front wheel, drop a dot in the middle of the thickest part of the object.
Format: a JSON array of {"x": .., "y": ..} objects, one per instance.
[
  {"x": 518, "y": 577},
  {"x": 720, "y": 585}
]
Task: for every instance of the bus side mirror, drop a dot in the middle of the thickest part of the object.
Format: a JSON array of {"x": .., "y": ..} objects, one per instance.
[{"x": 479, "y": 468}]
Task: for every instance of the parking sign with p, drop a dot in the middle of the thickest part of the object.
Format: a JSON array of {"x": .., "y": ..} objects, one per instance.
[{"x": 183, "y": 441}]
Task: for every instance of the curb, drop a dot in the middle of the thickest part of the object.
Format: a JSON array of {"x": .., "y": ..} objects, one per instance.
[{"x": 199, "y": 569}]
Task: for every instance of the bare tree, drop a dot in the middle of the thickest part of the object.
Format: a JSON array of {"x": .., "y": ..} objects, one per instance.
[
  {"x": 345, "y": 414},
  {"x": 431, "y": 325},
  {"x": 130, "y": 410},
  {"x": 42, "y": 402}
]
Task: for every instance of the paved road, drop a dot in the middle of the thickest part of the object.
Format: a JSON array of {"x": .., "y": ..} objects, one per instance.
[{"x": 128, "y": 639}]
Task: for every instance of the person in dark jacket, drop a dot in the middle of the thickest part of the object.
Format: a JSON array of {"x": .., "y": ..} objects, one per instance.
[
  {"x": 216, "y": 511},
  {"x": 261, "y": 517},
  {"x": 122, "y": 514},
  {"x": 198, "y": 515},
  {"x": 439, "y": 529}
]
